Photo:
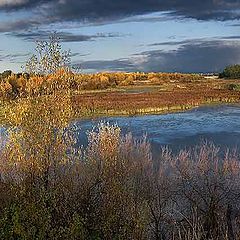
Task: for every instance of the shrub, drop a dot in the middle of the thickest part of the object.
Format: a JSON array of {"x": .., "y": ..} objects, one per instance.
[
  {"x": 6, "y": 74},
  {"x": 233, "y": 86},
  {"x": 231, "y": 72},
  {"x": 49, "y": 57},
  {"x": 18, "y": 84},
  {"x": 44, "y": 172},
  {"x": 5, "y": 90},
  {"x": 128, "y": 81},
  {"x": 118, "y": 191}
]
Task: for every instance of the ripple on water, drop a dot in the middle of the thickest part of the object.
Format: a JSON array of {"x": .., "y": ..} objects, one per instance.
[{"x": 220, "y": 124}]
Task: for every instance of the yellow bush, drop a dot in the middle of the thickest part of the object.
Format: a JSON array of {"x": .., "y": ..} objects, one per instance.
[
  {"x": 5, "y": 89},
  {"x": 34, "y": 84},
  {"x": 18, "y": 84}
]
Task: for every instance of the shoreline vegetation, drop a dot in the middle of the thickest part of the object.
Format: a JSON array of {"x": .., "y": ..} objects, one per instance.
[
  {"x": 136, "y": 99},
  {"x": 148, "y": 100},
  {"x": 111, "y": 189},
  {"x": 52, "y": 188}
]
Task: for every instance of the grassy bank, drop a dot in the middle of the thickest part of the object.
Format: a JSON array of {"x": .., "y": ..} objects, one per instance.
[
  {"x": 157, "y": 99},
  {"x": 135, "y": 100}
]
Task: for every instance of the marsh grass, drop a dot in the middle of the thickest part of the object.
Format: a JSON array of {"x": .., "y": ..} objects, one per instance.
[{"x": 51, "y": 188}]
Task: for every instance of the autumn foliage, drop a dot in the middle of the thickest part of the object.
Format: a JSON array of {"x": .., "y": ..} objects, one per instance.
[
  {"x": 113, "y": 188},
  {"x": 17, "y": 85}
]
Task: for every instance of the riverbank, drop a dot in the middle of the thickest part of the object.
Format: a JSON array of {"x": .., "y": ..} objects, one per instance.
[
  {"x": 139, "y": 99},
  {"x": 148, "y": 99}
]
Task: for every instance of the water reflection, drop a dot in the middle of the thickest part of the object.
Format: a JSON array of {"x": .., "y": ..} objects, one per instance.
[{"x": 220, "y": 124}]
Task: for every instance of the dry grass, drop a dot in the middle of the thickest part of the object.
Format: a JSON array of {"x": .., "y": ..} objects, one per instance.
[
  {"x": 52, "y": 188},
  {"x": 119, "y": 103}
]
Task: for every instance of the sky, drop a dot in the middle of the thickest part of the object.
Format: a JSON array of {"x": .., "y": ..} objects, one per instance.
[{"x": 125, "y": 35}]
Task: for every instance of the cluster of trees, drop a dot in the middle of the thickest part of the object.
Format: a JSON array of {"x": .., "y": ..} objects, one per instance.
[
  {"x": 232, "y": 71},
  {"x": 8, "y": 73},
  {"x": 13, "y": 85},
  {"x": 52, "y": 188}
]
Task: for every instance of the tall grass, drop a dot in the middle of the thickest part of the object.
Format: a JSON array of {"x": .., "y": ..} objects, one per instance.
[{"x": 51, "y": 188}]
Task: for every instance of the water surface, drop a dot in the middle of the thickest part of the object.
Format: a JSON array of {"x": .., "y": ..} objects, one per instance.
[{"x": 220, "y": 124}]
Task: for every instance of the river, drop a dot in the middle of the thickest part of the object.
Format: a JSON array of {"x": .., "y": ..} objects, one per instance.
[{"x": 219, "y": 124}]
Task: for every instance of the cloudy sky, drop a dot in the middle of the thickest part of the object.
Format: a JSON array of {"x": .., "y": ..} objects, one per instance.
[{"x": 125, "y": 35}]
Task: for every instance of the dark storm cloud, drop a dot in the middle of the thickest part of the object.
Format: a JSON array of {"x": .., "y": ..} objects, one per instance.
[
  {"x": 203, "y": 56},
  {"x": 231, "y": 37},
  {"x": 21, "y": 57},
  {"x": 102, "y": 11},
  {"x": 64, "y": 36},
  {"x": 193, "y": 41},
  {"x": 14, "y": 58},
  {"x": 108, "y": 9},
  {"x": 18, "y": 25},
  {"x": 209, "y": 56},
  {"x": 170, "y": 43},
  {"x": 79, "y": 54},
  {"x": 107, "y": 65},
  {"x": 14, "y": 5}
]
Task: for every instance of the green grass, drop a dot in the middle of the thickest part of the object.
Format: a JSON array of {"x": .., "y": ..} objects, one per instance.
[{"x": 233, "y": 86}]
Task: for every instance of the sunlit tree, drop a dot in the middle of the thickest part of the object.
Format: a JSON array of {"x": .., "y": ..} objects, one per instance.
[{"x": 49, "y": 57}]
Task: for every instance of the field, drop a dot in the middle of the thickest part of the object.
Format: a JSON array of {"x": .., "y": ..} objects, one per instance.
[
  {"x": 147, "y": 98},
  {"x": 109, "y": 94}
]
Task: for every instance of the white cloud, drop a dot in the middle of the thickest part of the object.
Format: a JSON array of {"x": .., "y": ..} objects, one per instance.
[{"x": 4, "y": 3}]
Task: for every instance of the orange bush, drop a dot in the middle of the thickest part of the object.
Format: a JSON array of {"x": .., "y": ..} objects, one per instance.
[{"x": 65, "y": 79}]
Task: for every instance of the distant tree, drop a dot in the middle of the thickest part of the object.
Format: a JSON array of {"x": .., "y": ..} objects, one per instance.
[
  {"x": 49, "y": 57},
  {"x": 6, "y": 74},
  {"x": 232, "y": 71}
]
